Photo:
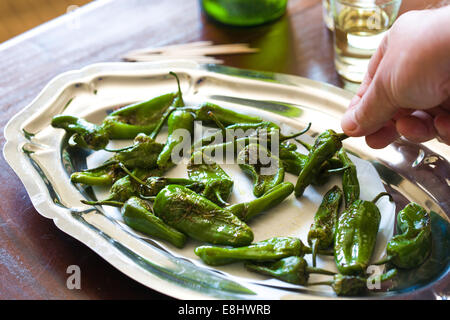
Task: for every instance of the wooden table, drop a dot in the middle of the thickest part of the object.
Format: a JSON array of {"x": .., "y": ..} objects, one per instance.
[{"x": 34, "y": 253}]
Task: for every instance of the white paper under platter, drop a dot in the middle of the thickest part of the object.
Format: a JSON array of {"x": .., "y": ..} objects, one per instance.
[{"x": 292, "y": 102}]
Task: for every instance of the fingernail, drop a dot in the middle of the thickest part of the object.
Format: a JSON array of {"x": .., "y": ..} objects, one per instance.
[{"x": 348, "y": 122}]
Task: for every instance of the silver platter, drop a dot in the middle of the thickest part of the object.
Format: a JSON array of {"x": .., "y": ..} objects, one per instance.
[{"x": 39, "y": 155}]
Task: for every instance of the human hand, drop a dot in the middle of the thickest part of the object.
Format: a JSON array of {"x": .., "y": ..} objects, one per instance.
[{"x": 406, "y": 90}]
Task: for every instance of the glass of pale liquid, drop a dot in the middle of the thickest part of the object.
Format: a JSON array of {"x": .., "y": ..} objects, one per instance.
[
  {"x": 327, "y": 14},
  {"x": 359, "y": 27}
]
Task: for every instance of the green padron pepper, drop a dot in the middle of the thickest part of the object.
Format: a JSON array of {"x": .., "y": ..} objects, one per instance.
[
  {"x": 149, "y": 188},
  {"x": 322, "y": 231},
  {"x": 83, "y": 133},
  {"x": 354, "y": 285},
  {"x": 412, "y": 246},
  {"x": 137, "y": 214},
  {"x": 294, "y": 161},
  {"x": 324, "y": 148},
  {"x": 350, "y": 183},
  {"x": 218, "y": 184},
  {"x": 266, "y": 250},
  {"x": 265, "y": 169},
  {"x": 125, "y": 123},
  {"x": 104, "y": 175},
  {"x": 142, "y": 154},
  {"x": 263, "y": 136},
  {"x": 142, "y": 117},
  {"x": 180, "y": 127},
  {"x": 271, "y": 249},
  {"x": 127, "y": 186},
  {"x": 225, "y": 116},
  {"x": 356, "y": 234},
  {"x": 247, "y": 210},
  {"x": 200, "y": 218},
  {"x": 234, "y": 130},
  {"x": 292, "y": 269}
]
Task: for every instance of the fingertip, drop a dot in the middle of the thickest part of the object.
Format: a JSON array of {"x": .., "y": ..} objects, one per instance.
[
  {"x": 417, "y": 127},
  {"x": 348, "y": 124},
  {"x": 442, "y": 125},
  {"x": 383, "y": 137}
]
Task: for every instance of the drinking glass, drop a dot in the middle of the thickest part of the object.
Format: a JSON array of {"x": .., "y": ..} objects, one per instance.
[
  {"x": 359, "y": 27},
  {"x": 327, "y": 14}
]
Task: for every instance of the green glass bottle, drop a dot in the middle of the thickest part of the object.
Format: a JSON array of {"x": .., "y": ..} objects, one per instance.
[{"x": 244, "y": 12}]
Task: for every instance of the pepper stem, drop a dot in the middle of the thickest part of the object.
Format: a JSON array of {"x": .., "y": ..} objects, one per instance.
[
  {"x": 319, "y": 271},
  {"x": 314, "y": 247},
  {"x": 118, "y": 150},
  {"x": 218, "y": 123},
  {"x": 103, "y": 202},
  {"x": 382, "y": 194},
  {"x": 321, "y": 283},
  {"x": 337, "y": 170},
  {"x": 124, "y": 168},
  {"x": 180, "y": 95},
  {"x": 105, "y": 164},
  {"x": 149, "y": 198},
  {"x": 295, "y": 135},
  {"x": 342, "y": 136},
  {"x": 304, "y": 144},
  {"x": 160, "y": 124},
  {"x": 219, "y": 198}
]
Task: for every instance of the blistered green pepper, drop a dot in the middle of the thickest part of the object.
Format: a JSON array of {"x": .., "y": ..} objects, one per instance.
[
  {"x": 218, "y": 184},
  {"x": 356, "y": 234},
  {"x": 142, "y": 117},
  {"x": 292, "y": 269},
  {"x": 200, "y": 218},
  {"x": 83, "y": 133},
  {"x": 225, "y": 116},
  {"x": 127, "y": 187},
  {"x": 412, "y": 246},
  {"x": 294, "y": 161},
  {"x": 247, "y": 210},
  {"x": 322, "y": 231},
  {"x": 270, "y": 249},
  {"x": 178, "y": 120},
  {"x": 238, "y": 130},
  {"x": 104, "y": 175},
  {"x": 324, "y": 148},
  {"x": 265, "y": 169},
  {"x": 143, "y": 154},
  {"x": 354, "y": 285},
  {"x": 137, "y": 214},
  {"x": 236, "y": 145},
  {"x": 125, "y": 123},
  {"x": 154, "y": 184},
  {"x": 350, "y": 183}
]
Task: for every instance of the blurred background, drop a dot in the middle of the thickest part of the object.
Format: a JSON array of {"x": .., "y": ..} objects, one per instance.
[{"x": 18, "y": 16}]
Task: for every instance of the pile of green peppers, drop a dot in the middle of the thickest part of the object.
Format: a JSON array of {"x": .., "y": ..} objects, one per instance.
[{"x": 197, "y": 207}]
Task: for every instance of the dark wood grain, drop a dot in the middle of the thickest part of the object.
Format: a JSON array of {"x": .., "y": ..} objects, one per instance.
[{"x": 34, "y": 253}]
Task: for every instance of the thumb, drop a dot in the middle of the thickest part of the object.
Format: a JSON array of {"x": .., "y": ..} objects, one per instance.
[{"x": 371, "y": 112}]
